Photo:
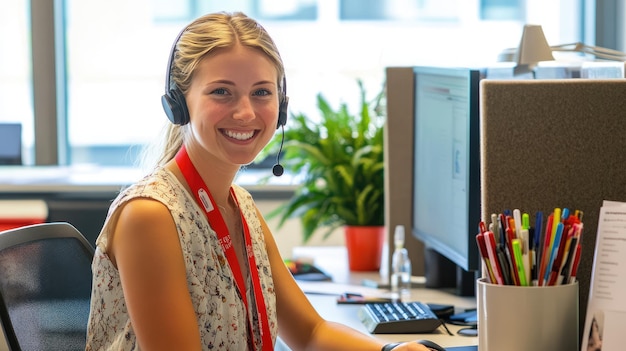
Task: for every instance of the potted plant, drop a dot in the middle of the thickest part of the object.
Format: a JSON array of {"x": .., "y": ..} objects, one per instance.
[{"x": 340, "y": 157}]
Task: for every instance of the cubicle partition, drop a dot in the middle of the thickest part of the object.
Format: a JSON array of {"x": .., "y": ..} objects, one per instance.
[
  {"x": 400, "y": 92},
  {"x": 554, "y": 143}
]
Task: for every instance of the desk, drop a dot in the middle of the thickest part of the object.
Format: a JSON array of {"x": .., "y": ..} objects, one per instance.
[{"x": 334, "y": 261}]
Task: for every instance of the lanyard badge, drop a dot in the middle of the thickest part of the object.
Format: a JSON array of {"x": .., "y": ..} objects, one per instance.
[{"x": 205, "y": 200}]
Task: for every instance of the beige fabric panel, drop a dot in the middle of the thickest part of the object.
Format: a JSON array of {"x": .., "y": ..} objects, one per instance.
[
  {"x": 554, "y": 143},
  {"x": 400, "y": 89}
]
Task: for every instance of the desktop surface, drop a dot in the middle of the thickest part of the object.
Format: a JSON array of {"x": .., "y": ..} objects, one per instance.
[{"x": 324, "y": 299}]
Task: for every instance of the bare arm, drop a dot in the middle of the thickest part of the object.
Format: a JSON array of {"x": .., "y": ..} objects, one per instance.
[
  {"x": 146, "y": 249},
  {"x": 300, "y": 326}
]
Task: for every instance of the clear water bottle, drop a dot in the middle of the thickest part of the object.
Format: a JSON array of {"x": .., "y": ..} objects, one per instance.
[{"x": 400, "y": 268}]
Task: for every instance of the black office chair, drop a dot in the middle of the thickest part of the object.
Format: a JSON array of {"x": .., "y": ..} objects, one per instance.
[{"x": 45, "y": 287}]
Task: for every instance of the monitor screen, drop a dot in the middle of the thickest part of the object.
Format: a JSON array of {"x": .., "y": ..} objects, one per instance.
[
  {"x": 10, "y": 144},
  {"x": 446, "y": 179}
]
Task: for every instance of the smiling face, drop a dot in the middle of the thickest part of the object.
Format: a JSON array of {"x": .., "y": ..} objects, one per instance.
[{"x": 233, "y": 105}]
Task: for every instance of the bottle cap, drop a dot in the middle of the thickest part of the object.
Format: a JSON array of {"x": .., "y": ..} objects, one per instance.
[{"x": 398, "y": 236}]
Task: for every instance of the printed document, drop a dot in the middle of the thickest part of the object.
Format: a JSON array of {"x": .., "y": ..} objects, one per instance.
[{"x": 606, "y": 310}]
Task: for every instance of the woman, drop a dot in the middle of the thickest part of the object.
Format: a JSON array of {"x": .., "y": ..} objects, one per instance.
[{"x": 185, "y": 261}]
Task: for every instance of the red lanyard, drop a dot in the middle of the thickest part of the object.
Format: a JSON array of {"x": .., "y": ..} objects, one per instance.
[{"x": 205, "y": 200}]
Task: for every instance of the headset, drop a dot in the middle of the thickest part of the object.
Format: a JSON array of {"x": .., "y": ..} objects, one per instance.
[{"x": 174, "y": 104}]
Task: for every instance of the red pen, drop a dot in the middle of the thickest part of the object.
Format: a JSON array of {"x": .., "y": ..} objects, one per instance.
[
  {"x": 490, "y": 243},
  {"x": 545, "y": 251},
  {"x": 480, "y": 240},
  {"x": 481, "y": 227}
]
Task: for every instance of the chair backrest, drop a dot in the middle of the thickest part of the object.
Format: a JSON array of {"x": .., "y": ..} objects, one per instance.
[{"x": 45, "y": 287}]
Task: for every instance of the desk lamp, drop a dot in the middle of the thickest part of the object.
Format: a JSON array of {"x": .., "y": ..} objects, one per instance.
[{"x": 532, "y": 49}]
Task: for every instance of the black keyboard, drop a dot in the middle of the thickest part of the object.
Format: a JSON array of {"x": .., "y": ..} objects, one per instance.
[{"x": 398, "y": 318}]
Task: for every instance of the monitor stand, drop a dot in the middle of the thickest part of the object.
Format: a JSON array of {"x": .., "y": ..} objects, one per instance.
[{"x": 441, "y": 273}]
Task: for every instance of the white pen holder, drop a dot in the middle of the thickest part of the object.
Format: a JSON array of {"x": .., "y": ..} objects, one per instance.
[{"x": 522, "y": 318}]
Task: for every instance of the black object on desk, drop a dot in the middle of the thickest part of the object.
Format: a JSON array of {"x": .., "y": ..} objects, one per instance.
[
  {"x": 398, "y": 318},
  {"x": 440, "y": 310},
  {"x": 464, "y": 318},
  {"x": 306, "y": 272},
  {"x": 468, "y": 318},
  {"x": 354, "y": 298}
]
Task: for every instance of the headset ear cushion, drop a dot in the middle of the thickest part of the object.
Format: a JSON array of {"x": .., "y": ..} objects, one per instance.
[
  {"x": 282, "y": 112},
  {"x": 175, "y": 107}
]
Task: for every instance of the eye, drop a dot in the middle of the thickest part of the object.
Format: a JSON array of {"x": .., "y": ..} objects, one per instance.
[
  {"x": 220, "y": 91},
  {"x": 262, "y": 92}
]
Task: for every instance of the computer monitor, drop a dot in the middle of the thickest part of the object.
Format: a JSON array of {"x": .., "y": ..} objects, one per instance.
[
  {"x": 446, "y": 174},
  {"x": 10, "y": 144}
]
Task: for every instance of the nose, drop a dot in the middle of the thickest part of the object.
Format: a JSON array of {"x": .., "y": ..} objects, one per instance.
[{"x": 244, "y": 110}]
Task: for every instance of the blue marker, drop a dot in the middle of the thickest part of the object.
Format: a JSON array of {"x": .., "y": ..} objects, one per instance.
[
  {"x": 555, "y": 250},
  {"x": 565, "y": 214}
]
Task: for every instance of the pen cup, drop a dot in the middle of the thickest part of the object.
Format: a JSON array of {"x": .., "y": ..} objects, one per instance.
[{"x": 521, "y": 318}]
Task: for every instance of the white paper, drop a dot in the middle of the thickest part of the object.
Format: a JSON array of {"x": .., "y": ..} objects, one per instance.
[
  {"x": 330, "y": 288},
  {"x": 606, "y": 309}
]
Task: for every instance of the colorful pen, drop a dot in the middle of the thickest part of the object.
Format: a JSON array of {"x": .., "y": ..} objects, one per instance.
[
  {"x": 538, "y": 230},
  {"x": 554, "y": 251},
  {"x": 572, "y": 277},
  {"x": 517, "y": 218},
  {"x": 533, "y": 256},
  {"x": 494, "y": 225},
  {"x": 517, "y": 253},
  {"x": 504, "y": 264},
  {"x": 556, "y": 218},
  {"x": 558, "y": 260},
  {"x": 545, "y": 249},
  {"x": 501, "y": 226},
  {"x": 525, "y": 251},
  {"x": 528, "y": 255},
  {"x": 567, "y": 266},
  {"x": 480, "y": 240},
  {"x": 511, "y": 254},
  {"x": 490, "y": 243}
]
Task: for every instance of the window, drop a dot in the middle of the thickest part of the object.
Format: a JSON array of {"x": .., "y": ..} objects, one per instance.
[
  {"x": 116, "y": 54},
  {"x": 401, "y": 10}
]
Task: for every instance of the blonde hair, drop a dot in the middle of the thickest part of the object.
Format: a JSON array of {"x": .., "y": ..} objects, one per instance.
[{"x": 197, "y": 41}]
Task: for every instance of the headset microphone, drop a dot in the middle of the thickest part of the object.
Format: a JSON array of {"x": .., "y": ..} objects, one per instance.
[{"x": 278, "y": 168}]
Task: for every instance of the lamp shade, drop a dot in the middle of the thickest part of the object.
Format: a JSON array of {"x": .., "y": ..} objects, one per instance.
[{"x": 533, "y": 47}]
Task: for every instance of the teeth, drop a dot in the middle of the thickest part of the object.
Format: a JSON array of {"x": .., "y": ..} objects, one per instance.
[{"x": 238, "y": 135}]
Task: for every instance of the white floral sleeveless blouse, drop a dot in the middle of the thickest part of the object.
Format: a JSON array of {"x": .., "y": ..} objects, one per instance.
[{"x": 220, "y": 311}]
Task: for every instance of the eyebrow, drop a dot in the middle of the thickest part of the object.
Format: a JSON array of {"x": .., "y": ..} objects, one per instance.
[{"x": 229, "y": 82}]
